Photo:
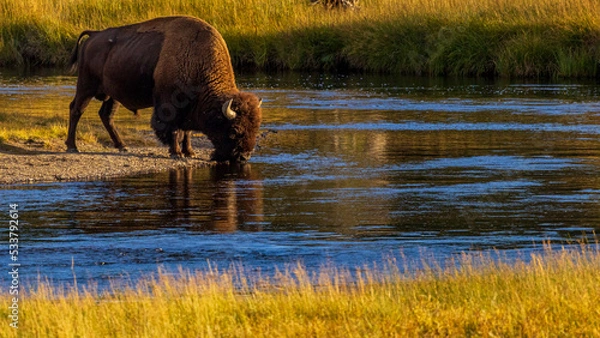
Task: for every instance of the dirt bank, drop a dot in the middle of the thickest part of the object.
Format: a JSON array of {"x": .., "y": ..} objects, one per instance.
[{"x": 20, "y": 164}]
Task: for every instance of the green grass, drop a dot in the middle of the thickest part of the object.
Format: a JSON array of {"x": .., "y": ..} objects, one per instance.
[
  {"x": 521, "y": 38},
  {"x": 551, "y": 295}
]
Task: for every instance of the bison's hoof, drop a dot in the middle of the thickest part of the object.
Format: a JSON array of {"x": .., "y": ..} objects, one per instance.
[
  {"x": 176, "y": 156},
  {"x": 72, "y": 150},
  {"x": 123, "y": 150},
  {"x": 190, "y": 154}
]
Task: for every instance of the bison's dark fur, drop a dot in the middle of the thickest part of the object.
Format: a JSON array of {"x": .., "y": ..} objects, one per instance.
[{"x": 178, "y": 65}]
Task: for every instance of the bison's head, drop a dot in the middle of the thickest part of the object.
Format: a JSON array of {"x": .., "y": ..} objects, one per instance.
[{"x": 241, "y": 117}]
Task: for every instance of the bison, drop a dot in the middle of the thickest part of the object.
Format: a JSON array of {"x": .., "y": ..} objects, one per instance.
[{"x": 181, "y": 67}]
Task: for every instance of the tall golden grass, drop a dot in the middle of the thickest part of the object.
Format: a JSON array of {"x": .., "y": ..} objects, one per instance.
[
  {"x": 552, "y": 294},
  {"x": 525, "y": 38}
]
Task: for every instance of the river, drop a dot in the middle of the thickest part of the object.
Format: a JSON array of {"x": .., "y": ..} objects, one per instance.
[{"x": 354, "y": 170}]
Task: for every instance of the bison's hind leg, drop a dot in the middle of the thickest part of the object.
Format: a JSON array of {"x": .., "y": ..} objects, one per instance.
[
  {"x": 76, "y": 108},
  {"x": 107, "y": 112}
]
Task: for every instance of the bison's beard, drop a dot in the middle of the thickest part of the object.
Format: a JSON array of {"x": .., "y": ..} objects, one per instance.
[
  {"x": 165, "y": 138},
  {"x": 163, "y": 131}
]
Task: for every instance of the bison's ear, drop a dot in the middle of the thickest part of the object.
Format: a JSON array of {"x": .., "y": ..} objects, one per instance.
[
  {"x": 227, "y": 111},
  {"x": 259, "y": 103}
]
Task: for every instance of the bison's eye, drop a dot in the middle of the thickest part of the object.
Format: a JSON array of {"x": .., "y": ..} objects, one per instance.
[{"x": 232, "y": 136}]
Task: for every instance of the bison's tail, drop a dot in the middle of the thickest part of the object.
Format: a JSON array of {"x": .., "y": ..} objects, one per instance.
[{"x": 75, "y": 54}]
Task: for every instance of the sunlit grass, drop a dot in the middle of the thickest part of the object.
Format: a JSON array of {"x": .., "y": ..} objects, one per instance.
[
  {"x": 437, "y": 37},
  {"x": 549, "y": 294}
]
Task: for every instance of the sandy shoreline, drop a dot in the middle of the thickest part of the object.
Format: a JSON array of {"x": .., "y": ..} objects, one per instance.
[{"x": 20, "y": 165}]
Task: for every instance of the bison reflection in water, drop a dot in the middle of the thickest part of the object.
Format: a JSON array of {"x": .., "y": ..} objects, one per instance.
[
  {"x": 182, "y": 68},
  {"x": 223, "y": 198},
  {"x": 236, "y": 199}
]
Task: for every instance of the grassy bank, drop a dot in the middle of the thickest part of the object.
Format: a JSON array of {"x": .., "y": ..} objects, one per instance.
[
  {"x": 43, "y": 127},
  {"x": 554, "y": 294},
  {"x": 523, "y": 38}
]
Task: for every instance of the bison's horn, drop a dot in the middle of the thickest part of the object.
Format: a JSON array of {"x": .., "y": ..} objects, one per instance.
[
  {"x": 227, "y": 111},
  {"x": 259, "y": 103}
]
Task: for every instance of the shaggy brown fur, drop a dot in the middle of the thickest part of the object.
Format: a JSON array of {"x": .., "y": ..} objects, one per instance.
[{"x": 178, "y": 65}]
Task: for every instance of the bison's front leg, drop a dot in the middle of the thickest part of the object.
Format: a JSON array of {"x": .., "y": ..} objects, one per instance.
[
  {"x": 187, "y": 144},
  {"x": 174, "y": 147},
  {"x": 107, "y": 112},
  {"x": 165, "y": 122}
]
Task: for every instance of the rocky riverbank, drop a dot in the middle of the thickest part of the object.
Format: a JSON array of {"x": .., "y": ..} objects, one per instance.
[{"x": 23, "y": 165}]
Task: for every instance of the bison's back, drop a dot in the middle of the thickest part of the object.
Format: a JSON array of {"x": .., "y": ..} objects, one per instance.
[
  {"x": 195, "y": 55},
  {"x": 128, "y": 70},
  {"x": 135, "y": 62}
]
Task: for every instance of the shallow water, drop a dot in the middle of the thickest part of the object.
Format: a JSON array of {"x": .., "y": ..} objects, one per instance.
[{"x": 354, "y": 170}]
